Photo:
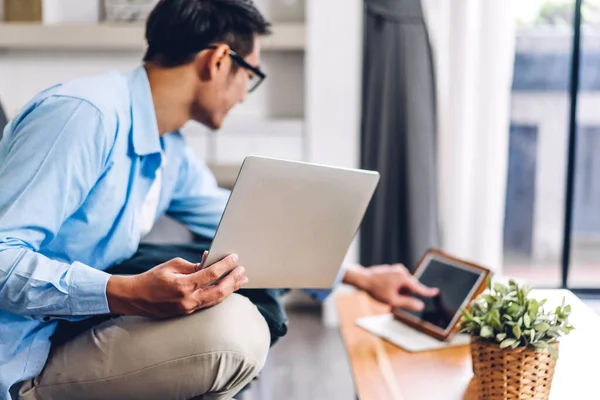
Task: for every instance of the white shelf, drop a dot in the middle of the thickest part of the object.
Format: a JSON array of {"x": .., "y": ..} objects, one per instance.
[{"x": 120, "y": 37}]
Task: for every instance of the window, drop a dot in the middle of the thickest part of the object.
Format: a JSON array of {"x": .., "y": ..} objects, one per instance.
[{"x": 539, "y": 137}]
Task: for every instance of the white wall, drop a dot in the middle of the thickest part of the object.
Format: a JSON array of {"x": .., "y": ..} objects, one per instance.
[
  {"x": 334, "y": 84},
  {"x": 334, "y": 80},
  {"x": 23, "y": 74},
  {"x": 333, "y": 92}
]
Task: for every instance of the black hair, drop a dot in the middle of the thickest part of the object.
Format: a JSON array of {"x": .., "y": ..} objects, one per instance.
[{"x": 177, "y": 30}]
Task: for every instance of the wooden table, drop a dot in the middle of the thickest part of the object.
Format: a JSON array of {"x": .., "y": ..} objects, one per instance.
[{"x": 384, "y": 371}]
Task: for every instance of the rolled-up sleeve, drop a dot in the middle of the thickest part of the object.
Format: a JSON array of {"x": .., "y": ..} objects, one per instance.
[{"x": 50, "y": 159}]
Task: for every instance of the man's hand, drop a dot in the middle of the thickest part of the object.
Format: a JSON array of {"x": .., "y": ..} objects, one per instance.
[
  {"x": 390, "y": 284},
  {"x": 174, "y": 288}
]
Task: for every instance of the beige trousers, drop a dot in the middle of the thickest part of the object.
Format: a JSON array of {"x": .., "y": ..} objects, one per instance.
[{"x": 211, "y": 354}]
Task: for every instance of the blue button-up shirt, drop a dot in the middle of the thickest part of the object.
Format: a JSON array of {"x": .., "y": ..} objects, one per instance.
[{"x": 76, "y": 165}]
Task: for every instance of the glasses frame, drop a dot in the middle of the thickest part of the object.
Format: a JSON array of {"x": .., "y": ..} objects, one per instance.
[{"x": 242, "y": 63}]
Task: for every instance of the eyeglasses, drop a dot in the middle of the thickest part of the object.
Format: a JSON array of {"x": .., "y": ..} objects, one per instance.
[{"x": 257, "y": 76}]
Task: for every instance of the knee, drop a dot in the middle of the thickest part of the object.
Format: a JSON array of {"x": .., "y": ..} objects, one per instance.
[
  {"x": 239, "y": 327},
  {"x": 237, "y": 337}
]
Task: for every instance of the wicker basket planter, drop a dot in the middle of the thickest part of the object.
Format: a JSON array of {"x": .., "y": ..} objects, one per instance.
[
  {"x": 514, "y": 342},
  {"x": 512, "y": 374}
]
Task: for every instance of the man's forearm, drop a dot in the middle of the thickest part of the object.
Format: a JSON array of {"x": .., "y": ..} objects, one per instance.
[
  {"x": 357, "y": 276},
  {"x": 120, "y": 294}
]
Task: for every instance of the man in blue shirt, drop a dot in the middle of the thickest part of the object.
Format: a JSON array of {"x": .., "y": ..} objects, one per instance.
[{"x": 86, "y": 168}]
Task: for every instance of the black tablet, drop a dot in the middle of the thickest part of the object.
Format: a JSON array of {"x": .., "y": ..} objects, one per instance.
[{"x": 458, "y": 281}]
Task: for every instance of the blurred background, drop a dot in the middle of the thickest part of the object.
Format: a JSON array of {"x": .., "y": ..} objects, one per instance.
[{"x": 468, "y": 108}]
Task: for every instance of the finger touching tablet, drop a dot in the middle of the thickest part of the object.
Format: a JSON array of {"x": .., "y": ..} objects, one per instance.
[{"x": 458, "y": 281}]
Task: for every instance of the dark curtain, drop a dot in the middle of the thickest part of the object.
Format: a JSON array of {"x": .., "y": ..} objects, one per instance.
[{"x": 398, "y": 134}]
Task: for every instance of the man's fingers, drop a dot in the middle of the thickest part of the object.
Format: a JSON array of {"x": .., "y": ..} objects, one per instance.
[
  {"x": 204, "y": 256},
  {"x": 418, "y": 288},
  {"x": 212, "y": 273},
  {"x": 183, "y": 266},
  {"x": 408, "y": 303},
  {"x": 212, "y": 295}
]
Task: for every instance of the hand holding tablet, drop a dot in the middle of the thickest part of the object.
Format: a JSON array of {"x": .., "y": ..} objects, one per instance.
[{"x": 458, "y": 281}]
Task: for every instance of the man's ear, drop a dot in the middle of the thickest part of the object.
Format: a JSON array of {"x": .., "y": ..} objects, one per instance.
[{"x": 212, "y": 62}]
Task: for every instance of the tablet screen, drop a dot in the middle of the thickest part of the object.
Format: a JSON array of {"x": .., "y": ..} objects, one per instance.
[{"x": 455, "y": 282}]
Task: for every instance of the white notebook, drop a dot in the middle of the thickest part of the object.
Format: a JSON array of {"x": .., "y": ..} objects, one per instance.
[{"x": 406, "y": 337}]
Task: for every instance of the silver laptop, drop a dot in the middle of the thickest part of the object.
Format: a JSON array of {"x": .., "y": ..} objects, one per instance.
[{"x": 291, "y": 223}]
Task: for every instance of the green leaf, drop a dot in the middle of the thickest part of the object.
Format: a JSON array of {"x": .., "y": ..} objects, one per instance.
[
  {"x": 500, "y": 288},
  {"x": 527, "y": 320},
  {"x": 532, "y": 335},
  {"x": 500, "y": 337},
  {"x": 534, "y": 308},
  {"x": 479, "y": 307},
  {"x": 513, "y": 310},
  {"x": 567, "y": 309},
  {"x": 542, "y": 327},
  {"x": 538, "y": 336},
  {"x": 495, "y": 319},
  {"x": 466, "y": 314},
  {"x": 541, "y": 344},
  {"x": 489, "y": 283},
  {"x": 517, "y": 331},
  {"x": 507, "y": 342},
  {"x": 489, "y": 298},
  {"x": 521, "y": 293},
  {"x": 553, "y": 332},
  {"x": 486, "y": 332},
  {"x": 564, "y": 329},
  {"x": 553, "y": 352}
]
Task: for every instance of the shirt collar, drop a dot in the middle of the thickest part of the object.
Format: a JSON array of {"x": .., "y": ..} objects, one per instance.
[{"x": 144, "y": 132}]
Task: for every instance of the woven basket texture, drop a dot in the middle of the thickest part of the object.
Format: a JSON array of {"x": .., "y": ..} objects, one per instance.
[{"x": 512, "y": 374}]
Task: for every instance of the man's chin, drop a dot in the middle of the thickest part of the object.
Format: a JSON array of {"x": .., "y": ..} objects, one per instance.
[
  {"x": 213, "y": 124},
  {"x": 216, "y": 125}
]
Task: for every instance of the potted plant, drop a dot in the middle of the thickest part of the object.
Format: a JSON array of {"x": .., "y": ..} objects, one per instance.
[{"x": 514, "y": 342}]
